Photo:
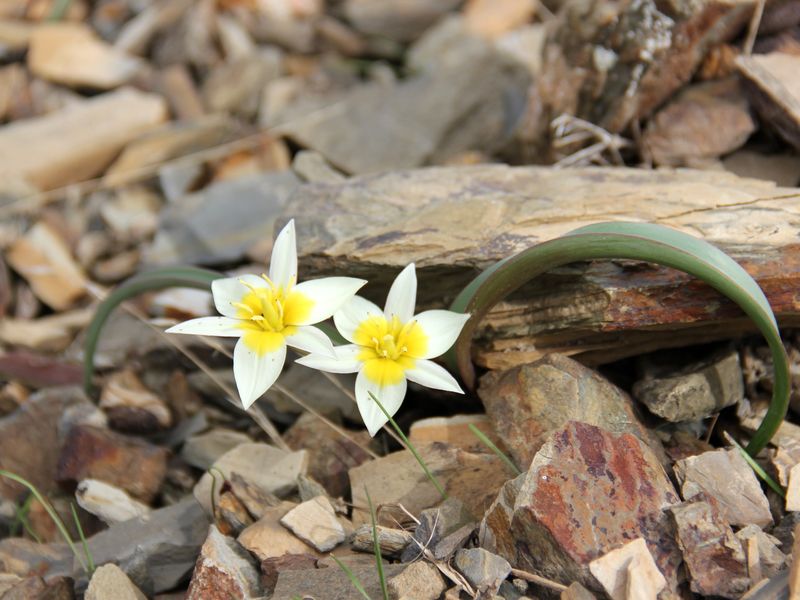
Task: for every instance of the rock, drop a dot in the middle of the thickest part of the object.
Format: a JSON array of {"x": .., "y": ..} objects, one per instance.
[
  {"x": 726, "y": 476},
  {"x": 576, "y": 591},
  {"x": 312, "y": 167},
  {"x": 272, "y": 567},
  {"x": 482, "y": 569},
  {"x": 235, "y": 87},
  {"x": 331, "y": 455},
  {"x": 773, "y": 92},
  {"x": 37, "y": 370},
  {"x": 8, "y": 581},
  {"x": 331, "y": 583},
  {"x": 132, "y": 407},
  {"x": 224, "y": 570},
  {"x": 714, "y": 558},
  {"x": 397, "y": 478},
  {"x": 76, "y": 143},
  {"x": 71, "y": 54},
  {"x": 704, "y": 121},
  {"x": 272, "y": 470},
  {"x": 255, "y": 500},
  {"x": 456, "y": 432},
  {"x": 629, "y": 567},
  {"x": 418, "y": 581},
  {"x": 527, "y": 403},
  {"x": 36, "y": 588},
  {"x": 558, "y": 526},
  {"x": 783, "y": 169},
  {"x": 52, "y": 333},
  {"x": 202, "y": 451},
  {"x": 498, "y": 519},
  {"x": 156, "y": 551},
  {"x": 770, "y": 558},
  {"x": 43, "y": 258},
  {"x": 109, "y": 582},
  {"x": 203, "y": 228},
  {"x": 793, "y": 489},
  {"x": 315, "y": 522},
  {"x": 267, "y": 538},
  {"x": 435, "y": 526},
  {"x": 23, "y": 557},
  {"x": 695, "y": 391},
  {"x": 492, "y": 18},
  {"x": 110, "y": 504},
  {"x": 391, "y": 541},
  {"x": 231, "y": 515},
  {"x": 469, "y": 103},
  {"x": 399, "y": 20},
  {"x": 125, "y": 462},
  {"x": 29, "y": 441}
]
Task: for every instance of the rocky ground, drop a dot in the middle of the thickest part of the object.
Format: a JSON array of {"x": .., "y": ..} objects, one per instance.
[{"x": 145, "y": 133}]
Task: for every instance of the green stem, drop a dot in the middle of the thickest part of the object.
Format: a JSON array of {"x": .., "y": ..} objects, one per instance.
[
  {"x": 491, "y": 445},
  {"x": 410, "y": 446},
  {"x": 84, "y": 543},
  {"x": 377, "y": 546}
]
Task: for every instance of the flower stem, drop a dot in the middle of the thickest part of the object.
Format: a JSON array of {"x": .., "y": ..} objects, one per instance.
[{"x": 410, "y": 446}]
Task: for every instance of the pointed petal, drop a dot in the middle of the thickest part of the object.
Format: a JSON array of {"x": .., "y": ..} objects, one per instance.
[
  {"x": 283, "y": 264},
  {"x": 402, "y": 296},
  {"x": 346, "y": 360},
  {"x": 441, "y": 328},
  {"x": 429, "y": 374},
  {"x": 221, "y": 326},
  {"x": 255, "y": 371},
  {"x": 390, "y": 397},
  {"x": 352, "y": 314},
  {"x": 327, "y": 295},
  {"x": 231, "y": 289},
  {"x": 310, "y": 339}
]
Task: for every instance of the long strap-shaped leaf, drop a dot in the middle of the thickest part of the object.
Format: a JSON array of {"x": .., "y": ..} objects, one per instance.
[
  {"x": 157, "y": 279},
  {"x": 636, "y": 241}
]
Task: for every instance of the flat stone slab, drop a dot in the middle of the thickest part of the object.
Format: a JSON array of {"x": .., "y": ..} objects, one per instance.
[{"x": 315, "y": 522}]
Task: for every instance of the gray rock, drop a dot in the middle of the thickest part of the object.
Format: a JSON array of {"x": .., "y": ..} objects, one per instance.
[
  {"x": 331, "y": 583},
  {"x": 399, "y": 20},
  {"x": 426, "y": 119},
  {"x": 109, "y": 582},
  {"x": 224, "y": 570},
  {"x": 312, "y": 167},
  {"x": 156, "y": 551},
  {"x": 695, "y": 391},
  {"x": 725, "y": 476},
  {"x": 29, "y": 440},
  {"x": 484, "y": 570},
  {"x": 219, "y": 224},
  {"x": 21, "y": 557},
  {"x": 771, "y": 559},
  {"x": 434, "y": 525},
  {"x": 204, "y": 450},
  {"x": 236, "y": 86}
]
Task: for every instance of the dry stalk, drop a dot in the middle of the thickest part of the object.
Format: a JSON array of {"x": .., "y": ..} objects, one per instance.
[{"x": 568, "y": 130}]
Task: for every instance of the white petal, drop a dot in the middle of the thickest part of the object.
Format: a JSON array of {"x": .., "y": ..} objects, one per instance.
[
  {"x": 231, "y": 289},
  {"x": 221, "y": 326},
  {"x": 402, "y": 296},
  {"x": 429, "y": 374},
  {"x": 328, "y": 295},
  {"x": 254, "y": 373},
  {"x": 283, "y": 264},
  {"x": 442, "y": 328},
  {"x": 345, "y": 361},
  {"x": 311, "y": 339},
  {"x": 390, "y": 397},
  {"x": 352, "y": 314}
]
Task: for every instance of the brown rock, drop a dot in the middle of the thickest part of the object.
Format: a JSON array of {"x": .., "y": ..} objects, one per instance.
[
  {"x": 397, "y": 478},
  {"x": 23, "y": 558},
  {"x": 491, "y": 18},
  {"x": 630, "y": 566},
  {"x": 109, "y": 581},
  {"x": 714, "y": 557},
  {"x": 527, "y": 403},
  {"x": 419, "y": 581},
  {"x": 586, "y": 493},
  {"x": 400, "y": 20},
  {"x": 267, "y": 538},
  {"x": 52, "y": 333},
  {"x": 29, "y": 441},
  {"x": 497, "y": 520},
  {"x": 253, "y": 497},
  {"x": 331, "y": 583},
  {"x": 725, "y": 476},
  {"x": 392, "y": 541},
  {"x": 315, "y": 522},
  {"x": 36, "y": 588},
  {"x": 272, "y": 567},
  {"x": 704, "y": 121},
  {"x": 456, "y": 432},
  {"x": 38, "y": 370},
  {"x": 128, "y": 463},
  {"x": 223, "y": 571},
  {"x": 132, "y": 407},
  {"x": 783, "y": 169},
  {"x": 331, "y": 456},
  {"x": 71, "y": 54},
  {"x": 231, "y": 515}
]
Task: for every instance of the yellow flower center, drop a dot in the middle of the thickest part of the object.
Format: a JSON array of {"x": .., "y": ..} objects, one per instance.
[
  {"x": 389, "y": 348},
  {"x": 270, "y": 313}
]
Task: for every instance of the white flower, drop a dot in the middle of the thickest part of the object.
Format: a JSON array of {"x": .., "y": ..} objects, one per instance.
[
  {"x": 268, "y": 313},
  {"x": 391, "y": 346}
]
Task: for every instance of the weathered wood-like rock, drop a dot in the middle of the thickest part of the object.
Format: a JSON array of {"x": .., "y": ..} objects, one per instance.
[
  {"x": 529, "y": 402},
  {"x": 452, "y": 222},
  {"x": 77, "y": 142},
  {"x": 224, "y": 570},
  {"x": 586, "y": 493},
  {"x": 109, "y": 503}
]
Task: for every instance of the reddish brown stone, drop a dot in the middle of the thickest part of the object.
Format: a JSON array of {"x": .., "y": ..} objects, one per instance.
[
  {"x": 224, "y": 571},
  {"x": 272, "y": 567},
  {"x": 126, "y": 462},
  {"x": 588, "y": 492}
]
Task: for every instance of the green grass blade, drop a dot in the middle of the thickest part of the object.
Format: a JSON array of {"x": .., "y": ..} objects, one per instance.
[
  {"x": 50, "y": 511},
  {"x": 158, "y": 279},
  {"x": 377, "y": 546},
  {"x": 757, "y": 468},
  {"x": 352, "y": 576},
  {"x": 82, "y": 536},
  {"x": 491, "y": 445},
  {"x": 635, "y": 241}
]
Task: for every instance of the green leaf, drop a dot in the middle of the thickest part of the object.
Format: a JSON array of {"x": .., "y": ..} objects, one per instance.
[
  {"x": 635, "y": 241},
  {"x": 376, "y": 546}
]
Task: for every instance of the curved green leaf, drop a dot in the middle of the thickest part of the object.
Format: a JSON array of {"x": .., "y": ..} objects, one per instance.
[{"x": 635, "y": 241}]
